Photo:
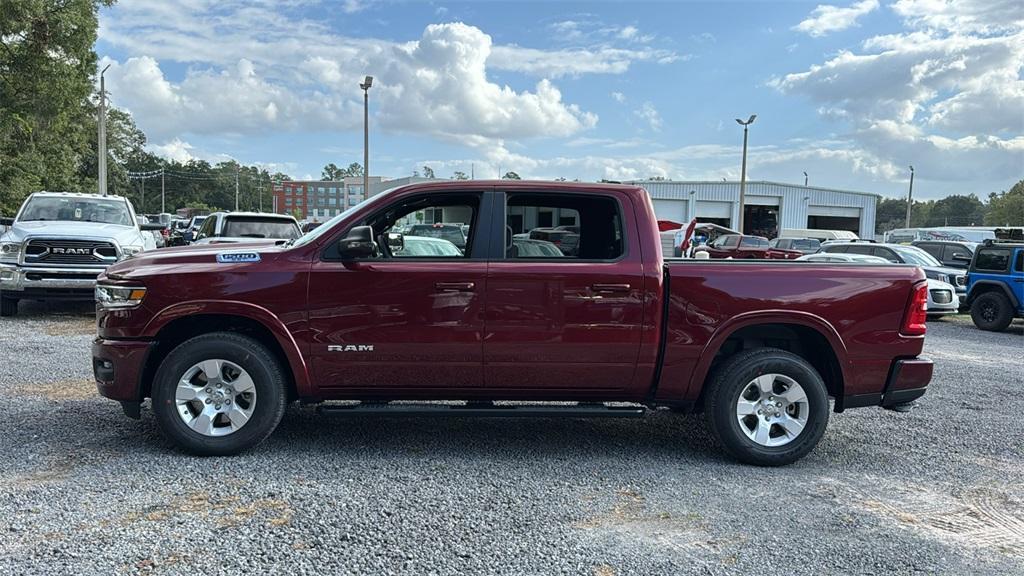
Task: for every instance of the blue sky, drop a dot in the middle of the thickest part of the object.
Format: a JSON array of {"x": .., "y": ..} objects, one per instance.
[{"x": 851, "y": 92}]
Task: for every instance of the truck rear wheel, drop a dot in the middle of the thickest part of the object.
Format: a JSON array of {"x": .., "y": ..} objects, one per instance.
[
  {"x": 219, "y": 394},
  {"x": 992, "y": 311},
  {"x": 767, "y": 407},
  {"x": 8, "y": 306}
]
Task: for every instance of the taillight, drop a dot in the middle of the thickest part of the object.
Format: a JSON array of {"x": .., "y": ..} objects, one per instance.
[{"x": 917, "y": 312}]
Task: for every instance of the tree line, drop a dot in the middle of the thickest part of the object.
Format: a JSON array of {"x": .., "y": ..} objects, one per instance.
[{"x": 1004, "y": 208}]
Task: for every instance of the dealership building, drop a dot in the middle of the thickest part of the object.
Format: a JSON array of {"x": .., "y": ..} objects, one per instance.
[{"x": 768, "y": 208}]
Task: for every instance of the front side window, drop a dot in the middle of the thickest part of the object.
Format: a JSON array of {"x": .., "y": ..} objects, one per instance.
[
  {"x": 426, "y": 227},
  {"x": 563, "y": 226},
  {"x": 992, "y": 259}
]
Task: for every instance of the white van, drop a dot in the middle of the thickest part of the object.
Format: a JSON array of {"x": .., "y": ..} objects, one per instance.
[{"x": 821, "y": 235}]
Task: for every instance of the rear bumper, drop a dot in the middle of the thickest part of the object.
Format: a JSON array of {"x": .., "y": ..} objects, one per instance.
[
  {"x": 118, "y": 366},
  {"x": 908, "y": 380},
  {"x": 48, "y": 283}
]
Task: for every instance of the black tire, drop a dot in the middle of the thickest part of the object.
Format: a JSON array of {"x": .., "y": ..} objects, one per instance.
[
  {"x": 249, "y": 354},
  {"x": 992, "y": 311},
  {"x": 8, "y": 306},
  {"x": 732, "y": 378}
]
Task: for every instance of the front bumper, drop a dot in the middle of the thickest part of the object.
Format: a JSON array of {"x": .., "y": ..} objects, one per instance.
[
  {"x": 48, "y": 283},
  {"x": 118, "y": 366},
  {"x": 908, "y": 380}
]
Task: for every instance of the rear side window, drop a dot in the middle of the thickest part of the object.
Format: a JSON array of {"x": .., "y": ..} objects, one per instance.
[
  {"x": 952, "y": 252},
  {"x": 1019, "y": 266},
  {"x": 754, "y": 242},
  {"x": 563, "y": 226},
  {"x": 885, "y": 253},
  {"x": 836, "y": 248},
  {"x": 855, "y": 249},
  {"x": 992, "y": 260}
]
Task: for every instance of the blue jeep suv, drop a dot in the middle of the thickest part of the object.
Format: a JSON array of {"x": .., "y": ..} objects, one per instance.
[{"x": 995, "y": 284}]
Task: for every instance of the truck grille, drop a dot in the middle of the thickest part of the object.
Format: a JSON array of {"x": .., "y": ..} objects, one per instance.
[
  {"x": 942, "y": 296},
  {"x": 74, "y": 252}
]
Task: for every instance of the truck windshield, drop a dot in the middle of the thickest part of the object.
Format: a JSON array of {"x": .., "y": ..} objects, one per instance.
[
  {"x": 255, "y": 227},
  {"x": 916, "y": 256},
  {"x": 76, "y": 209}
]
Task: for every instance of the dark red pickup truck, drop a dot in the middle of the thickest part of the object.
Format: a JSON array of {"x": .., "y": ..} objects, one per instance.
[{"x": 355, "y": 315}]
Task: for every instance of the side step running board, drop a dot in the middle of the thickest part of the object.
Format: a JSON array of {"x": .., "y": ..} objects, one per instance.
[{"x": 484, "y": 410}]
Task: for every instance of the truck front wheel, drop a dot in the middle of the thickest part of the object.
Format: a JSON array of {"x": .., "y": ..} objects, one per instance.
[
  {"x": 992, "y": 311},
  {"x": 219, "y": 394},
  {"x": 767, "y": 407}
]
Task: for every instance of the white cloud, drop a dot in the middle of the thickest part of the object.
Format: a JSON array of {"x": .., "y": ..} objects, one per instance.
[
  {"x": 435, "y": 85},
  {"x": 618, "y": 97},
  {"x": 825, "y": 18},
  {"x": 649, "y": 114},
  {"x": 945, "y": 95},
  {"x": 576, "y": 61},
  {"x": 174, "y": 149}
]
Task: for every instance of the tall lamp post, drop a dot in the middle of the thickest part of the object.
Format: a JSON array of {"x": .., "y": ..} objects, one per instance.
[
  {"x": 367, "y": 82},
  {"x": 743, "y": 170},
  {"x": 910, "y": 196},
  {"x": 805, "y": 179},
  {"x": 102, "y": 136}
]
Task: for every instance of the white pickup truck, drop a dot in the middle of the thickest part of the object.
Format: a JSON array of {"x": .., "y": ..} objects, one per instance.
[{"x": 58, "y": 243}]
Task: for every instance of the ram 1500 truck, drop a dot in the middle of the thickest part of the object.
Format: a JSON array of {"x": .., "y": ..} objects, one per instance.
[{"x": 222, "y": 338}]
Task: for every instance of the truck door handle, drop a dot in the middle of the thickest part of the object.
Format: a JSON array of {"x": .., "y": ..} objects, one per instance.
[
  {"x": 610, "y": 287},
  {"x": 455, "y": 286}
]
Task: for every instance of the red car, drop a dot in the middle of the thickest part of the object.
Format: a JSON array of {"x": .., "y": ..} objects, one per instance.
[
  {"x": 739, "y": 246},
  {"x": 222, "y": 338}
]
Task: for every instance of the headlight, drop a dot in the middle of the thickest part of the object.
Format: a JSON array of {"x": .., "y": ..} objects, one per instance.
[
  {"x": 129, "y": 251},
  {"x": 119, "y": 296},
  {"x": 10, "y": 250}
]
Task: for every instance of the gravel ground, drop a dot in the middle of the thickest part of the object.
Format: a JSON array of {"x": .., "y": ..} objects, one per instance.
[{"x": 84, "y": 490}]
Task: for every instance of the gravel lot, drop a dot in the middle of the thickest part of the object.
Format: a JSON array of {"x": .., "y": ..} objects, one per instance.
[{"x": 84, "y": 490}]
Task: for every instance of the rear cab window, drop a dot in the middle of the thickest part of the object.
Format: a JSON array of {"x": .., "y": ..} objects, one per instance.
[
  {"x": 258, "y": 227},
  {"x": 563, "y": 226}
]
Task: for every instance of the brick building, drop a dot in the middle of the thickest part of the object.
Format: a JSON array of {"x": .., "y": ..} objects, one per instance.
[{"x": 319, "y": 199}]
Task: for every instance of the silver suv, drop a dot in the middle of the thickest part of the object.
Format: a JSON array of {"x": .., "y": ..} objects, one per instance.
[{"x": 59, "y": 242}]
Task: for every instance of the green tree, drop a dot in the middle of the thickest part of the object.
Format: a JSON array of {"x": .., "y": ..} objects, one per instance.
[
  {"x": 47, "y": 65},
  {"x": 1006, "y": 208},
  {"x": 332, "y": 172},
  {"x": 510, "y": 175},
  {"x": 460, "y": 175},
  {"x": 354, "y": 169},
  {"x": 956, "y": 210},
  {"x": 428, "y": 172}
]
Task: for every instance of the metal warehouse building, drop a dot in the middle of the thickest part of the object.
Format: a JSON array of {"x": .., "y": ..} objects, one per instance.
[{"x": 769, "y": 207}]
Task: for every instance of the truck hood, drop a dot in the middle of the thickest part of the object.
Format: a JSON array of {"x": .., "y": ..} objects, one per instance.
[
  {"x": 187, "y": 259},
  {"x": 123, "y": 235}
]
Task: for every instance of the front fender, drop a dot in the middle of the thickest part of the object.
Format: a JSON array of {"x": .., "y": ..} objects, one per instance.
[{"x": 266, "y": 318}]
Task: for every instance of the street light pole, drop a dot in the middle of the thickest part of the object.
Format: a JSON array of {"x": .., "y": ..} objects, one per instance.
[
  {"x": 102, "y": 136},
  {"x": 163, "y": 197},
  {"x": 910, "y": 197},
  {"x": 805, "y": 179},
  {"x": 743, "y": 170},
  {"x": 365, "y": 85}
]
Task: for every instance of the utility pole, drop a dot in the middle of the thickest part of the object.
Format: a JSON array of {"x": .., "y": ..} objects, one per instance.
[
  {"x": 259, "y": 190},
  {"x": 102, "y": 167},
  {"x": 365, "y": 85},
  {"x": 163, "y": 197},
  {"x": 910, "y": 196},
  {"x": 238, "y": 168},
  {"x": 743, "y": 170},
  {"x": 142, "y": 204}
]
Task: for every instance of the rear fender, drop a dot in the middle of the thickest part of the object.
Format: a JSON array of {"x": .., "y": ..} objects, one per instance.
[{"x": 754, "y": 318}]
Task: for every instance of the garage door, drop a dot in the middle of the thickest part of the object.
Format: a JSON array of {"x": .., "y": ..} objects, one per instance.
[
  {"x": 708, "y": 209},
  {"x": 674, "y": 210},
  {"x": 840, "y": 211}
]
